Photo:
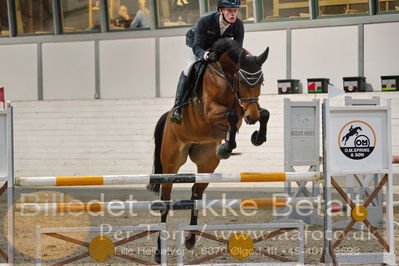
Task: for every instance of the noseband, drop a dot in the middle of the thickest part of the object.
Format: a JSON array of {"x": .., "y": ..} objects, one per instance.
[{"x": 245, "y": 78}]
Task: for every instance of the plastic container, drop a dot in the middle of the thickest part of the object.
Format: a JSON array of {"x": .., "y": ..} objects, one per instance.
[
  {"x": 389, "y": 83},
  {"x": 354, "y": 84},
  {"x": 318, "y": 85},
  {"x": 288, "y": 86}
]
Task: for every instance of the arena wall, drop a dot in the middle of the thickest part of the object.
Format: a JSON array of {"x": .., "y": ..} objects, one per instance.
[
  {"x": 125, "y": 67},
  {"x": 101, "y": 137}
]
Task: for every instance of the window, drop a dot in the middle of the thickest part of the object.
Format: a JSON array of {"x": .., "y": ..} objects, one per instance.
[
  {"x": 277, "y": 9},
  {"x": 81, "y": 15},
  {"x": 388, "y": 5},
  {"x": 129, "y": 14},
  {"x": 177, "y": 12},
  {"x": 34, "y": 16},
  {"x": 246, "y": 9},
  {"x": 342, "y": 7},
  {"x": 4, "y": 29}
]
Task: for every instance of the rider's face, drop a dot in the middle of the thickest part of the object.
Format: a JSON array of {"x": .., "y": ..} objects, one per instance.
[{"x": 230, "y": 13}]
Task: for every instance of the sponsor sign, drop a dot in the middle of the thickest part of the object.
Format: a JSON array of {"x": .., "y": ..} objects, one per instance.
[{"x": 357, "y": 140}]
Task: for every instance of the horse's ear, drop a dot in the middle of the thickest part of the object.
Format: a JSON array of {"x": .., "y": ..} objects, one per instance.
[{"x": 262, "y": 58}]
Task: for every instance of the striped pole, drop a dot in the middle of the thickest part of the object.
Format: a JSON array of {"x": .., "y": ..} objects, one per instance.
[
  {"x": 166, "y": 179},
  {"x": 255, "y": 203}
]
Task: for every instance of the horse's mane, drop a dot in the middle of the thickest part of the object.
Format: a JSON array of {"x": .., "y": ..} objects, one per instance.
[{"x": 230, "y": 46}]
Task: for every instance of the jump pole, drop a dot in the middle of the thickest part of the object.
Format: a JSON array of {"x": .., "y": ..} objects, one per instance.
[
  {"x": 159, "y": 205},
  {"x": 166, "y": 179}
]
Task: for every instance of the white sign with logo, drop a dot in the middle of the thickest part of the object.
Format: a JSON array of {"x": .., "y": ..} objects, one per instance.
[
  {"x": 358, "y": 138},
  {"x": 357, "y": 141}
]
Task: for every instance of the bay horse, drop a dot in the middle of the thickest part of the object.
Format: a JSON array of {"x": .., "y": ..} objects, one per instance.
[{"x": 230, "y": 92}]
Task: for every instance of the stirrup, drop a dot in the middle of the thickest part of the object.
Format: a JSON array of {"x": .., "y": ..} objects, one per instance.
[{"x": 177, "y": 115}]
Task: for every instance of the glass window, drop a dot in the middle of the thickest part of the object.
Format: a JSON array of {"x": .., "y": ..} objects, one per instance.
[
  {"x": 246, "y": 9},
  {"x": 388, "y": 5},
  {"x": 177, "y": 12},
  {"x": 81, "y": 15},
  {"x": 129, "y": 14},
  {"x": 34, "y": 16},
  {"x": 4, "y": 29},
  {"x": 342, "y": 7},
  {"x": 277, "y": 9}
]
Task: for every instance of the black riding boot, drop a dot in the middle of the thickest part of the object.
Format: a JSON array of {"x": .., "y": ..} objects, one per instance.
[{"x": 177, "y": 115}]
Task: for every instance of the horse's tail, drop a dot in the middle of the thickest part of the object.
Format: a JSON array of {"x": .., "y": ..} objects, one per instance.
[{"x": 158, "y": 135}]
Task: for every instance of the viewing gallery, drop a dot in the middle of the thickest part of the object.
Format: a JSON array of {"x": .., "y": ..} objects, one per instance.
[{"x": 71, "y": 16}]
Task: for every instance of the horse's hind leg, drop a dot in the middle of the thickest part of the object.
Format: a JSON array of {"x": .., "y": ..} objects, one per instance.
[
  {"x": 197, "y": 192},
  {"x": 166, "y": 191},
  {"x": 172, "y": 157},
  {"x": 204, "y": 156}
]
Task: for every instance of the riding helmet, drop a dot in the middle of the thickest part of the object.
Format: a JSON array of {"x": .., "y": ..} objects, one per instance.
[{"x": 228, "y": 3}]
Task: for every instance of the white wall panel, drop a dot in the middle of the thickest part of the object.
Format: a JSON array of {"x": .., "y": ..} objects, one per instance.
[
  {"x": 275, "y": 66},
  {"x": 381, "y": 57},
  {"x": 127, "y": 68},
  {"x": 101, "y": 137},
  {"x": 325, "y": 53},
  {"x": 172, "y": 61},
  {"x": 18, "y": 71},
  {"x": 68, "y": 70}
]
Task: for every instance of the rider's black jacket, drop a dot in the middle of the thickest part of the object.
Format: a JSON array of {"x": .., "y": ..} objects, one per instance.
[{"x": 207, "y": 31}]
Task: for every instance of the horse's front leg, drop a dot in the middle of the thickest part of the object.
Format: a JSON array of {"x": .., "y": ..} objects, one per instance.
[
  {"x": 259, "y": 137},
  {"x": 225, "y": 149}
]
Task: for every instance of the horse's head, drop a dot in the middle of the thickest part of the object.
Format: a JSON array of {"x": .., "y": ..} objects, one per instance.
[
  {"x": 250, "y": 80},
  {"x": 243, "y": 74}
]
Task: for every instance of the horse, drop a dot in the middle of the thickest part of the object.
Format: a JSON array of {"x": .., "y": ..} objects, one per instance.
[
  {"x": 229, "y": 93},
  {"x": 352, "y": 131}
]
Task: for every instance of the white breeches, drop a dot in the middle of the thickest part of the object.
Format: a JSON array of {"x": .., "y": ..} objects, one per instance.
[{"x": 190, "y": 59}]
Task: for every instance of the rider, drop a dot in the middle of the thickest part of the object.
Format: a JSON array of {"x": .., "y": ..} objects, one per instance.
[{"x": 223, "y": 23}]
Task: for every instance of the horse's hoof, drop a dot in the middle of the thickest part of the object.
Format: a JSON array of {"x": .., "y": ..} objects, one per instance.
[
  {"x": 190, "y": 241},
  {"x": 223, "y": 151},
  {"x": 256, "y": 139},
  {"x": 157, "y": 256}
]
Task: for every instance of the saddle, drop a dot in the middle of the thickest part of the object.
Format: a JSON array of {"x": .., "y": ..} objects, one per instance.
[{"x": 194, "y": 81}]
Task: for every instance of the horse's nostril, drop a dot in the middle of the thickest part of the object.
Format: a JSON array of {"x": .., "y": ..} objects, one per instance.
[{"x": 249, "y": 120}]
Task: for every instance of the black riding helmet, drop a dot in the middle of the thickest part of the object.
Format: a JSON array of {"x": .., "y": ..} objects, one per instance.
[{"x": 228, "y": 3}]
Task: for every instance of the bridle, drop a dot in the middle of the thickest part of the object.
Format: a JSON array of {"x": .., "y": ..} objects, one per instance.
[{"x": 243, "y": 77}]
